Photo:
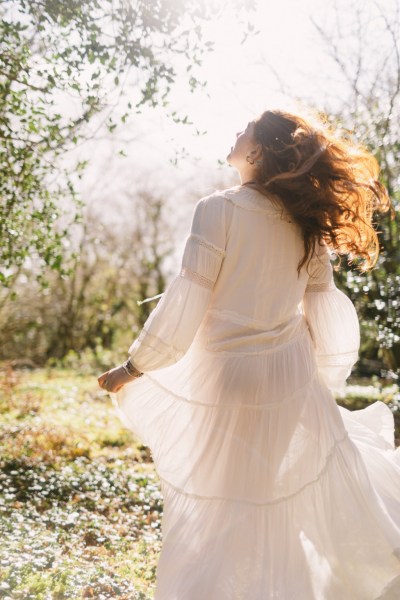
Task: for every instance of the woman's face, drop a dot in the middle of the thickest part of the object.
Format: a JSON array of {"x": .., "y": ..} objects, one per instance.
[{"x": 245, "y": 146}]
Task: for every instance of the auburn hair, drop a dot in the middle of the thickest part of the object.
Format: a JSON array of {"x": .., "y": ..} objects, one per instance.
[{"x": 326, "y": 182}]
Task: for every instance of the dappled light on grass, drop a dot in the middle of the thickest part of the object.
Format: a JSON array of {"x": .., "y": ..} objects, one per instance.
[
  {"x": 90, "y": 526},
  {"x": 81, "y": 508}
]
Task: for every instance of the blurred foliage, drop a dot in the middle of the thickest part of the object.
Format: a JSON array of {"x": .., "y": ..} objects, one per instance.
[
  {"x": 61, "y": 63},
  {"x": 80, "y": 318},
  {"x": 376, "y": 294},
  {"x": 370, "y": 112}
]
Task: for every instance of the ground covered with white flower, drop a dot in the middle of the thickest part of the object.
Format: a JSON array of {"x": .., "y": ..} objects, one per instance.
[{"x": 80, "y": 502}]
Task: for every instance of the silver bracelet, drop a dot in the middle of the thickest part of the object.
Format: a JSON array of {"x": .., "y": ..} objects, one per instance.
[{"x": 130, "y": 369}]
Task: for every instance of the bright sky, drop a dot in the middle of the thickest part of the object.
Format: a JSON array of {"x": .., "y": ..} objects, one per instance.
[
  {"x": 285, "y": 60},
  {"x": 240, "y": 84},
  {"x": 242, "y": 79}
]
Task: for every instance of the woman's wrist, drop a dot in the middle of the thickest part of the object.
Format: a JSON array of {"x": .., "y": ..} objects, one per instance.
[{"x": 131, "y": 370}]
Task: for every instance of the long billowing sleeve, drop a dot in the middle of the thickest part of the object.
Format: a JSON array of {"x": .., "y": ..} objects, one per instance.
[
  {"x": 172, "y": 325},
  {"x": 333, "y": 323}
]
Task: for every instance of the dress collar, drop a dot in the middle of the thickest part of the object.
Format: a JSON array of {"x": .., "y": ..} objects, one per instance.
[{"x": 252, "y": 199}]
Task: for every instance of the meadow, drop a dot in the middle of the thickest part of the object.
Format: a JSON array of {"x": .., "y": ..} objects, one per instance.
[{"x": 81, "y": 508}]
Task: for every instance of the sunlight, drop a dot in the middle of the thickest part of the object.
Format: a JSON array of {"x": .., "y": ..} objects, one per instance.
[{"x": 244, "y": 78}]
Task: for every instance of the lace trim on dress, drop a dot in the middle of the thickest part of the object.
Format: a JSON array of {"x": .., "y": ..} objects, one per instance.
[
  {"x": 238, "y": 318},
  {"x": 322, "y": 472},
  {"x": 158, "y": 345},
  {"x": 321, "y": 287},
  {"x": 206, "y": 244},
  {"x": 340, "y": 360},
  {"x": 196, "y": 278},
  {"x": 266, "y": 350},
  {"x": 279, "y": 404}
]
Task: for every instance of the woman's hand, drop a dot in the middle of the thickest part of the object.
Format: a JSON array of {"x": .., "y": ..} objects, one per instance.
[{"x": 114, "y": 379}]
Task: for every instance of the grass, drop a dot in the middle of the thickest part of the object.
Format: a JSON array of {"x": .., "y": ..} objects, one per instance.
[
  {"x": 81, "y": 508},
  {"x": 80, "y": 512}
]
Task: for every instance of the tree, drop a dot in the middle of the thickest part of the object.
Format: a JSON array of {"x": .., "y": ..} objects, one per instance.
[
  {"x": 95, "y": 308},
  {"x": 62, "y": 63},
  {"x": 371, "y": 111}
]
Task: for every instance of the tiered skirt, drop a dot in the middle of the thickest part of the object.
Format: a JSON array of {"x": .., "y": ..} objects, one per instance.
[{"x": 271, "y": 491}]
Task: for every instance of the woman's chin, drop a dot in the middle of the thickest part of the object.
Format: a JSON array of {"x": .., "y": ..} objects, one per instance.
[{"x": 230, "y": 160}]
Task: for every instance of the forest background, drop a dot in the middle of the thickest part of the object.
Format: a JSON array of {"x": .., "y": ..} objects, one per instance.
[
  {"x": 102, "y": 159},
  {"x": 115, "y": 118}
]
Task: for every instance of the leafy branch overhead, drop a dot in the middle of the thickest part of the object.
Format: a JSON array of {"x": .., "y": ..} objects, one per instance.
[{"x": 77, "y": 55}]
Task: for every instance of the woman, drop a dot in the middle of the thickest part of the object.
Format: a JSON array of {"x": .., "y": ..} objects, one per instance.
[{"x": 271, "y": 491}]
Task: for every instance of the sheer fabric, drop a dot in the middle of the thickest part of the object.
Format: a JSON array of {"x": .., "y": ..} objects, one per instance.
[
  {"x": 171, "y": 327},
  {"x": 333, "y": 323},
  {"x": 270, "y": 490}
]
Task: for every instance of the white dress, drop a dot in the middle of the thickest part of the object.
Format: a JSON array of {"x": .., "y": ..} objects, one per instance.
[{"x": 271, "y": 491}]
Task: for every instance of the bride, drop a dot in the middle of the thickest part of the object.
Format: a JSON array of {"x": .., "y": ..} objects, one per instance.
[{"x": 271, "y": 491}]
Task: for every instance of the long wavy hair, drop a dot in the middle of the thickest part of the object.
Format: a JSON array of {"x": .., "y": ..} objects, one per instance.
[{"x": 327, "y": 183}]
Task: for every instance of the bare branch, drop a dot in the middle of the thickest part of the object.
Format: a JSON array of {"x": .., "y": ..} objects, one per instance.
[
  {"x": 396, "y": 90},
  {"x": 335, "y": 54}
]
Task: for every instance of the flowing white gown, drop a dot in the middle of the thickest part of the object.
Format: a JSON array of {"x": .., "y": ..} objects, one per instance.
[{"x": 271, "y": 491}]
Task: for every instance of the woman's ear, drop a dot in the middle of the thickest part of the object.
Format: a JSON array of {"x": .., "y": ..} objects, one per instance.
[{"x": 256, "y": 153}]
